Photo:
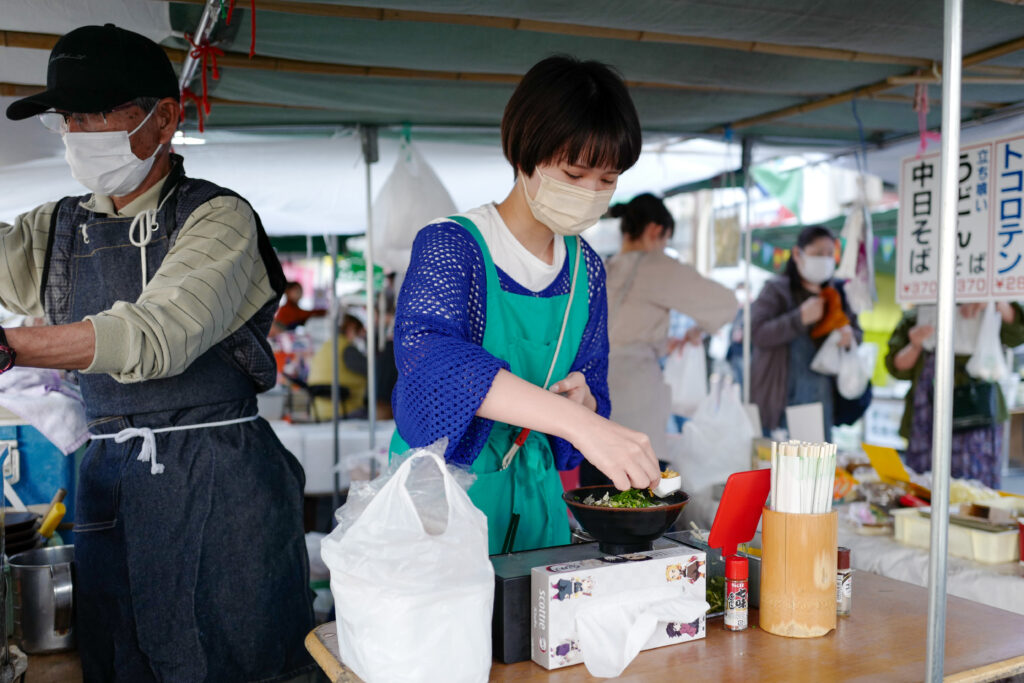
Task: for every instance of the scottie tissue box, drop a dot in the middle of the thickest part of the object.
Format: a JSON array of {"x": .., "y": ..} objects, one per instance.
[{"x": 658, "y": 580}]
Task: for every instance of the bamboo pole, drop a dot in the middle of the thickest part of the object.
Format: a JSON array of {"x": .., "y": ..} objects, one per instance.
[
  {"x": 317, "y": 9},
  {"x": 866, "y": 91}
]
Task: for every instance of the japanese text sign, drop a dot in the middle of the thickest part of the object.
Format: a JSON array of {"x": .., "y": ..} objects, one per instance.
[{"x": 990, "y": 224}]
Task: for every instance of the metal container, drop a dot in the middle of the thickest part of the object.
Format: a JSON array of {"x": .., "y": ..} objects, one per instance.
[{"x": 43, "y": 582}]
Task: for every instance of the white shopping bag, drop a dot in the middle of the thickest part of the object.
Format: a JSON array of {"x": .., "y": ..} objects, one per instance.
[
  {"x": 716, "y": 441},
  {"x": 412, "y": 196},
  {"x": 686, "y": 375},
  {"x": 852, "y": 378},
  {"x": 987, "y": 363},
  {"x": 412, "y": 582},
  {"x": 827, "y": 360}
]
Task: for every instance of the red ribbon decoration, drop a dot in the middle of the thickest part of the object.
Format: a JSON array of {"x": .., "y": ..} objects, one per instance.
[
  {"x": 187, "y": 96},
  {"x": 205, "y": 53},
  {"x": 252, "y": 24},
  {"x": 921, "y": 106}
]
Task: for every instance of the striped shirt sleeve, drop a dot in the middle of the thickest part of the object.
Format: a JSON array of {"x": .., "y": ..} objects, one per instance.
[
  {"x": 22, "y": 257},
  {"x": 209, "y": 284}
]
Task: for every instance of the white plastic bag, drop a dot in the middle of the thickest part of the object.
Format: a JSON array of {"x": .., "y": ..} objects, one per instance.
[
  {"x": 828, "y": 358},
  {"x": 716, "y": 442},
  {"x": 413, "y": 586},
  {"x": 987, "y": 363},
  {"x": 852, "y": 378},
  {"x": 686, "y": 375},
  {"x": 411, "y": 197}
]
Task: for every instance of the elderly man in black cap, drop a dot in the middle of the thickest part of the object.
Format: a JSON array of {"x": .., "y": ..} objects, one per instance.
[{"x": 159, "y": 290}]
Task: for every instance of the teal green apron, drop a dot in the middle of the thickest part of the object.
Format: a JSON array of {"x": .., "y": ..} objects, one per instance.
[{"x": 523, "y": 330}]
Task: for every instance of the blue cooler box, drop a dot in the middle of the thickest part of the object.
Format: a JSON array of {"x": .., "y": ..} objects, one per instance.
[{"x": 43, "y": 469}]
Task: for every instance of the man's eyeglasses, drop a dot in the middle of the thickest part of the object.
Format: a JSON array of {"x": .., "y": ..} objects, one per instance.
[{"x": 93, "y": 122}]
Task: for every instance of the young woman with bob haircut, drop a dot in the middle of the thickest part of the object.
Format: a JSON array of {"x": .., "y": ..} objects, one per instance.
[{"x": 501, "y": 334}]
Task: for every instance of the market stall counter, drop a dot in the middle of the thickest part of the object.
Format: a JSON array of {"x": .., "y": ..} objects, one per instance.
[{"x": 883, "y": 640}]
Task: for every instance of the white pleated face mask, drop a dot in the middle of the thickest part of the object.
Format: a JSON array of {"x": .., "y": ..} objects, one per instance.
[
  {"x": 104, "y": 161},
  {"x": 817, "y": 269},
  {"x": 565, "y": 208}
]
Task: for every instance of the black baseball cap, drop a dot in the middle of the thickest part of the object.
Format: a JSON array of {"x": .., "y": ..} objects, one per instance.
[{"x": 96, "y": 68}]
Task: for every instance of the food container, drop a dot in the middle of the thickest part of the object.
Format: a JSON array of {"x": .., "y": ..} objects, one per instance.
[
  {"x": 716, "y": 566},
  {"x": 991, "y": 547},
  {"x": 43, "y": 599}
]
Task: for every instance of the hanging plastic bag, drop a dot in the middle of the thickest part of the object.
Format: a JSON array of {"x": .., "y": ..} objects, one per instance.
[
  {"x": 988, "y": 363},
  {"x": 412, "y": 582},
  {"x": 852, "y": 378},
  {"x": 715, "y": 442},
  {"x": 411, "y": 197},
  {"x": 827, "y": 360},
  {"x": 686, "y": 375}
]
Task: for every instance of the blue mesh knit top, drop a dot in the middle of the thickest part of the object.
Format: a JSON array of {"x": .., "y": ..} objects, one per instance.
[{"x": 444, "y": 371}]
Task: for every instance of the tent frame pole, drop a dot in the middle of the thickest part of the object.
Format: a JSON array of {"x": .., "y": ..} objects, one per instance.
[
  {"x": 942, "y": 428},
  {"x": 368, "y": 135},
  {"x": 332, "y": 246},
  {"x": 203, "y": 29},
  {"x": 747, "y": 155}
]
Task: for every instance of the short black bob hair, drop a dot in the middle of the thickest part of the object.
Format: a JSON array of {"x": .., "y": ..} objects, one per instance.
[
  {"x": 812, "y": 233},
  {"x": 565, "y": 109},
  {"x": 642, "y": 210}
]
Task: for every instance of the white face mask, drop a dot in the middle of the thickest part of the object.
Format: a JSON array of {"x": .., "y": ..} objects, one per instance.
[
  {"x": 104, "y": 162},
  {"x": 566, "y": 208},
  {"x": 817, "y": 269}
]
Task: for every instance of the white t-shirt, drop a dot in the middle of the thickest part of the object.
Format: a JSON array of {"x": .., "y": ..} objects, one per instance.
[{"x": 510, "y": 255}]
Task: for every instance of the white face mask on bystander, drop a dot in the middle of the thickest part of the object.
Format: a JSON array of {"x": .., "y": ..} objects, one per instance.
[
  {"x": 817, "y": 269},
  {"x": 104, "y": 161}
]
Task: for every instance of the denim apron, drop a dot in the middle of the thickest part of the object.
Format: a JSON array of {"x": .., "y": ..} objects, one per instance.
[
  {"x": 805, "y": 385},
  {"x": 198, "y": 572},
  {"x": 523, "y": 330}
]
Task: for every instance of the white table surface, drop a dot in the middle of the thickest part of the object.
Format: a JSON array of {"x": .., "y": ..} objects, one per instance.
[{"x": 997, "y": 585}]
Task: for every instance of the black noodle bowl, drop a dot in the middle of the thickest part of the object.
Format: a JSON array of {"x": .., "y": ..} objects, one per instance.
[{"x": 623, "y": 530}]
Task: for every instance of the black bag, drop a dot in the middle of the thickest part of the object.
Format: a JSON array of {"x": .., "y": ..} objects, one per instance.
[
  {"x": 846, "y": 411},
  {"x": 974, "y": 405}
]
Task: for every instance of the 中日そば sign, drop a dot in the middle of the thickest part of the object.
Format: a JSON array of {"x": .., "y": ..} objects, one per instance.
[{"x": 989, "y": 231}]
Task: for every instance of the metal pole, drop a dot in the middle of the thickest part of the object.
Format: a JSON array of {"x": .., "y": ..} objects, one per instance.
[
  {"x": 943, "y": 392},
  {"x": 332, "y": 247},
  {"x": 748, "y": 148},
  {"x": 206, "y": 23},
  {"x": 370, "y": 156}
]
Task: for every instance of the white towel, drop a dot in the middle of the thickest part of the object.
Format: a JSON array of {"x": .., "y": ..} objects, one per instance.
[{"x": 48, "y": 403}]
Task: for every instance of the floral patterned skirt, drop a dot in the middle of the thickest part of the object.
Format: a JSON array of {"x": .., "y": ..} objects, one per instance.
[{"x": 975, "y": 452}]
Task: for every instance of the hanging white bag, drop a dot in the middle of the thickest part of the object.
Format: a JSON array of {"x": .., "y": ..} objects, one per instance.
[
  {"x": 853, "y": 377},
  {"x": 686, "y": 375},
  {"x": 412, "y": 582},
  {"x": 715, "y": 443},
  {"x": 827, "y": 360},
  {"x": 411, "y": 197},
  {"x": 987, "y": 363}
]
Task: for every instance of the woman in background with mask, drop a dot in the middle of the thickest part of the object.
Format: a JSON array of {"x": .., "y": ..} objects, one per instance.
[
  {"x": 644, "y": 285},
  {"x": 501, "y": 333},
  {"x": 789, "y": 321}
]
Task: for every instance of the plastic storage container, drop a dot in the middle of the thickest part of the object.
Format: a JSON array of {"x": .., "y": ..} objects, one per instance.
[{"x": 991, "y": 547}]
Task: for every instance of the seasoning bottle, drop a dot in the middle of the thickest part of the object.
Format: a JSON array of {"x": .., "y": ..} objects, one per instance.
[
  {"x": 844, "y": 583},
  {"x": 736, "y": 572}
]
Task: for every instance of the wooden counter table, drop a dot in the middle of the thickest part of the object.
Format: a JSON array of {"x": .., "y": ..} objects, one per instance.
[{"x": 883, "y": 640}]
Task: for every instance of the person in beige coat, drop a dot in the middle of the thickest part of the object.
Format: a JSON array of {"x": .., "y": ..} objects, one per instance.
[{"x": 644, "y": 286}]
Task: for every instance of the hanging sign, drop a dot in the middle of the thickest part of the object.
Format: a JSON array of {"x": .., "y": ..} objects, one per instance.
[{"x": 990, "y": 229}]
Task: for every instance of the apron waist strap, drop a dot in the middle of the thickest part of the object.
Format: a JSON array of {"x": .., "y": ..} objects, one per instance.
[{"x": 148, "y": 452}]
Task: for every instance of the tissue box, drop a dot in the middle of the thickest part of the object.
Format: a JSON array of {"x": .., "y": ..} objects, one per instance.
[{"x": 559, "y": 590}]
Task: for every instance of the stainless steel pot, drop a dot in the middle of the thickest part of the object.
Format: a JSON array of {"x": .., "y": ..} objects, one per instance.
[{"x": 44, "y": 599}]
